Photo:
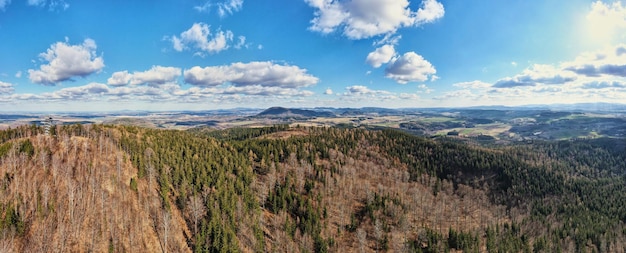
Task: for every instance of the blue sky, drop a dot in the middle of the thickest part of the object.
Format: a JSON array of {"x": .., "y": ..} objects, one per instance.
[{"x": 64, "y": 55}]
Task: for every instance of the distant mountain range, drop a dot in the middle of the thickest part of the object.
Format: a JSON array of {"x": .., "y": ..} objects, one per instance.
[
  {"x": 334, "y": 111},
  {"x": 282, "y": 112}
]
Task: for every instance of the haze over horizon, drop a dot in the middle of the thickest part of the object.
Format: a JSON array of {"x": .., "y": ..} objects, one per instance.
[{"x": 64, "y": 55}]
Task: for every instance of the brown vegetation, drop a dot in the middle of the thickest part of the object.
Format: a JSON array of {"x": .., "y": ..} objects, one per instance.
[{"x": 74, "y": 195}]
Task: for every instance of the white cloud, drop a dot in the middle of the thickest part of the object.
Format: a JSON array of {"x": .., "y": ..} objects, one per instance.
[
  {"x": 364, "y": 90},
  {"x": 365, "y": 96},
  {"x": 605, "y": 19},
  {"x": 18, "y": 74},
  {"x": 90, "y": 90},
  {"x": 24, "y": 96},
  {"x": 329, "y": 15},
  {"x": 67, "y": 61},
  {"x": 422, "y": 88},
  {"x": 389, "y": 38},
  {"x": 473, "y": 85},
  {"x": 380, "y": 55},
  {"x": 591, "y": 77},
  {"x": 254, "y": 73},
  {"x": 259, "y": 90},
  {"x": 144, "y": 93},
  {"x": 199, "y": 37},
  {"x": 156, "y": 76},
  {"x": 410, "y": 67},
  {"x": 408, "y": 96},
  {"x": 537, "y": 74},
  {"x": 224, "y": 8},
  {"x": 361, "y": 19},
  {"x": 228, "y": 7},
  {"x": 51, "y": 4},
  {"x": 430, "y": 11},
  {"x": 608, "y": 62},
  {"x": 4, "y": 3},
  {"x": 328, "y": 91},
  {"x": 6, "y": 88},
  {"x": 604, "y": 85},
  {"x": 241, "y": 42},
  {"x": 119, "y": 78}
]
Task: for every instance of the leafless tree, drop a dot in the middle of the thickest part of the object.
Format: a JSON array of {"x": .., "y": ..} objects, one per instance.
[
  {"x": 378, "y": 231},
  {"x": 196, "y": 208},
  {"x": 166, "y": 222},
  {"x": 361, "y": 235}
]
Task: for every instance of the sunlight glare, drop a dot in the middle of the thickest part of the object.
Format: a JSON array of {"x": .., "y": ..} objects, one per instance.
[{"x": 604, "y": 21}]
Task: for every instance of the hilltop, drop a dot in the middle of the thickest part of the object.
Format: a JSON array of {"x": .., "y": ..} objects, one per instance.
[{"x": 281, "y": 112}]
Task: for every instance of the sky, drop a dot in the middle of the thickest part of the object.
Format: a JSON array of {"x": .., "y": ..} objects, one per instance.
[{"x": 65, "y": 55}]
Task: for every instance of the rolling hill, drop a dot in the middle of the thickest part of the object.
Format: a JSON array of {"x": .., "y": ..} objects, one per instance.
[
  {"x": 281, "y": 112},
  {"x": 126, "y": 188}
]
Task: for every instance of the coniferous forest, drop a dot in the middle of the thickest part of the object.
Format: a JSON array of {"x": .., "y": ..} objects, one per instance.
[{"x": 111, "y": 188}]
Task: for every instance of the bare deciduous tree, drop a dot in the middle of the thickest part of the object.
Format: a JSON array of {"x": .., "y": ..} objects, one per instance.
[
  {"x": 166, "y": 222},
  {"x": 361, "y": 235},
  {"x": 196, "y": 209}
]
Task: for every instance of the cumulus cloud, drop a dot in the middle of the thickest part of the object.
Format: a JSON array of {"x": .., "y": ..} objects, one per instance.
[
  {"x": 362, "y": 19},
  {"x": 67, "y": 61},
  {"x": 610, "y": 62},
  {"x": 145, "y": 93},
  {"x": 590, "y": 77},
  {"x": 509, "y": 82},
  {"x": 430, "y": 11},
  {"x": 224, "y": 8},
  {"x": 604, "y": 85},
  {"x": 361, "y": 90},
  {"x": 597, "y": 70},
  {"x": 6, "y": 88},
  {"x": 119, "y": 78},
  {"x": 79, "y": 92},
  {"x": 156, "y": 76},
  {"x": 605, "y": 19},
  {"x": 380, "y": 56},
  {"x": 199, "y": 37},
  {"x": 410, "y": 67},
  {"x": 254, "y": 73},
  {"x": 328, "y": 91},
  {"x": 537, "y": 74}
]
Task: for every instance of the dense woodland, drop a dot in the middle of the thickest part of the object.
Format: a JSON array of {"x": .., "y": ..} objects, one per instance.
[{"x": 109, "y": 188}]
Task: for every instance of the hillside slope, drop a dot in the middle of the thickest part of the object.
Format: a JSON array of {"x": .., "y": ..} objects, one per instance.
[
  {"x": 131, "y": 189},
  {"x": 79, "y": 193}
]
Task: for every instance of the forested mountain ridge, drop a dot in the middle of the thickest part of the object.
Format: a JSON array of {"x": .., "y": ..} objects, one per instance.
[{"x": 285, "y": 189}]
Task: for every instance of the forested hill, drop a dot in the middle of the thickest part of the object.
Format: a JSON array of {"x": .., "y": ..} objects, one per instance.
[{"x": 103, "y": 188}]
